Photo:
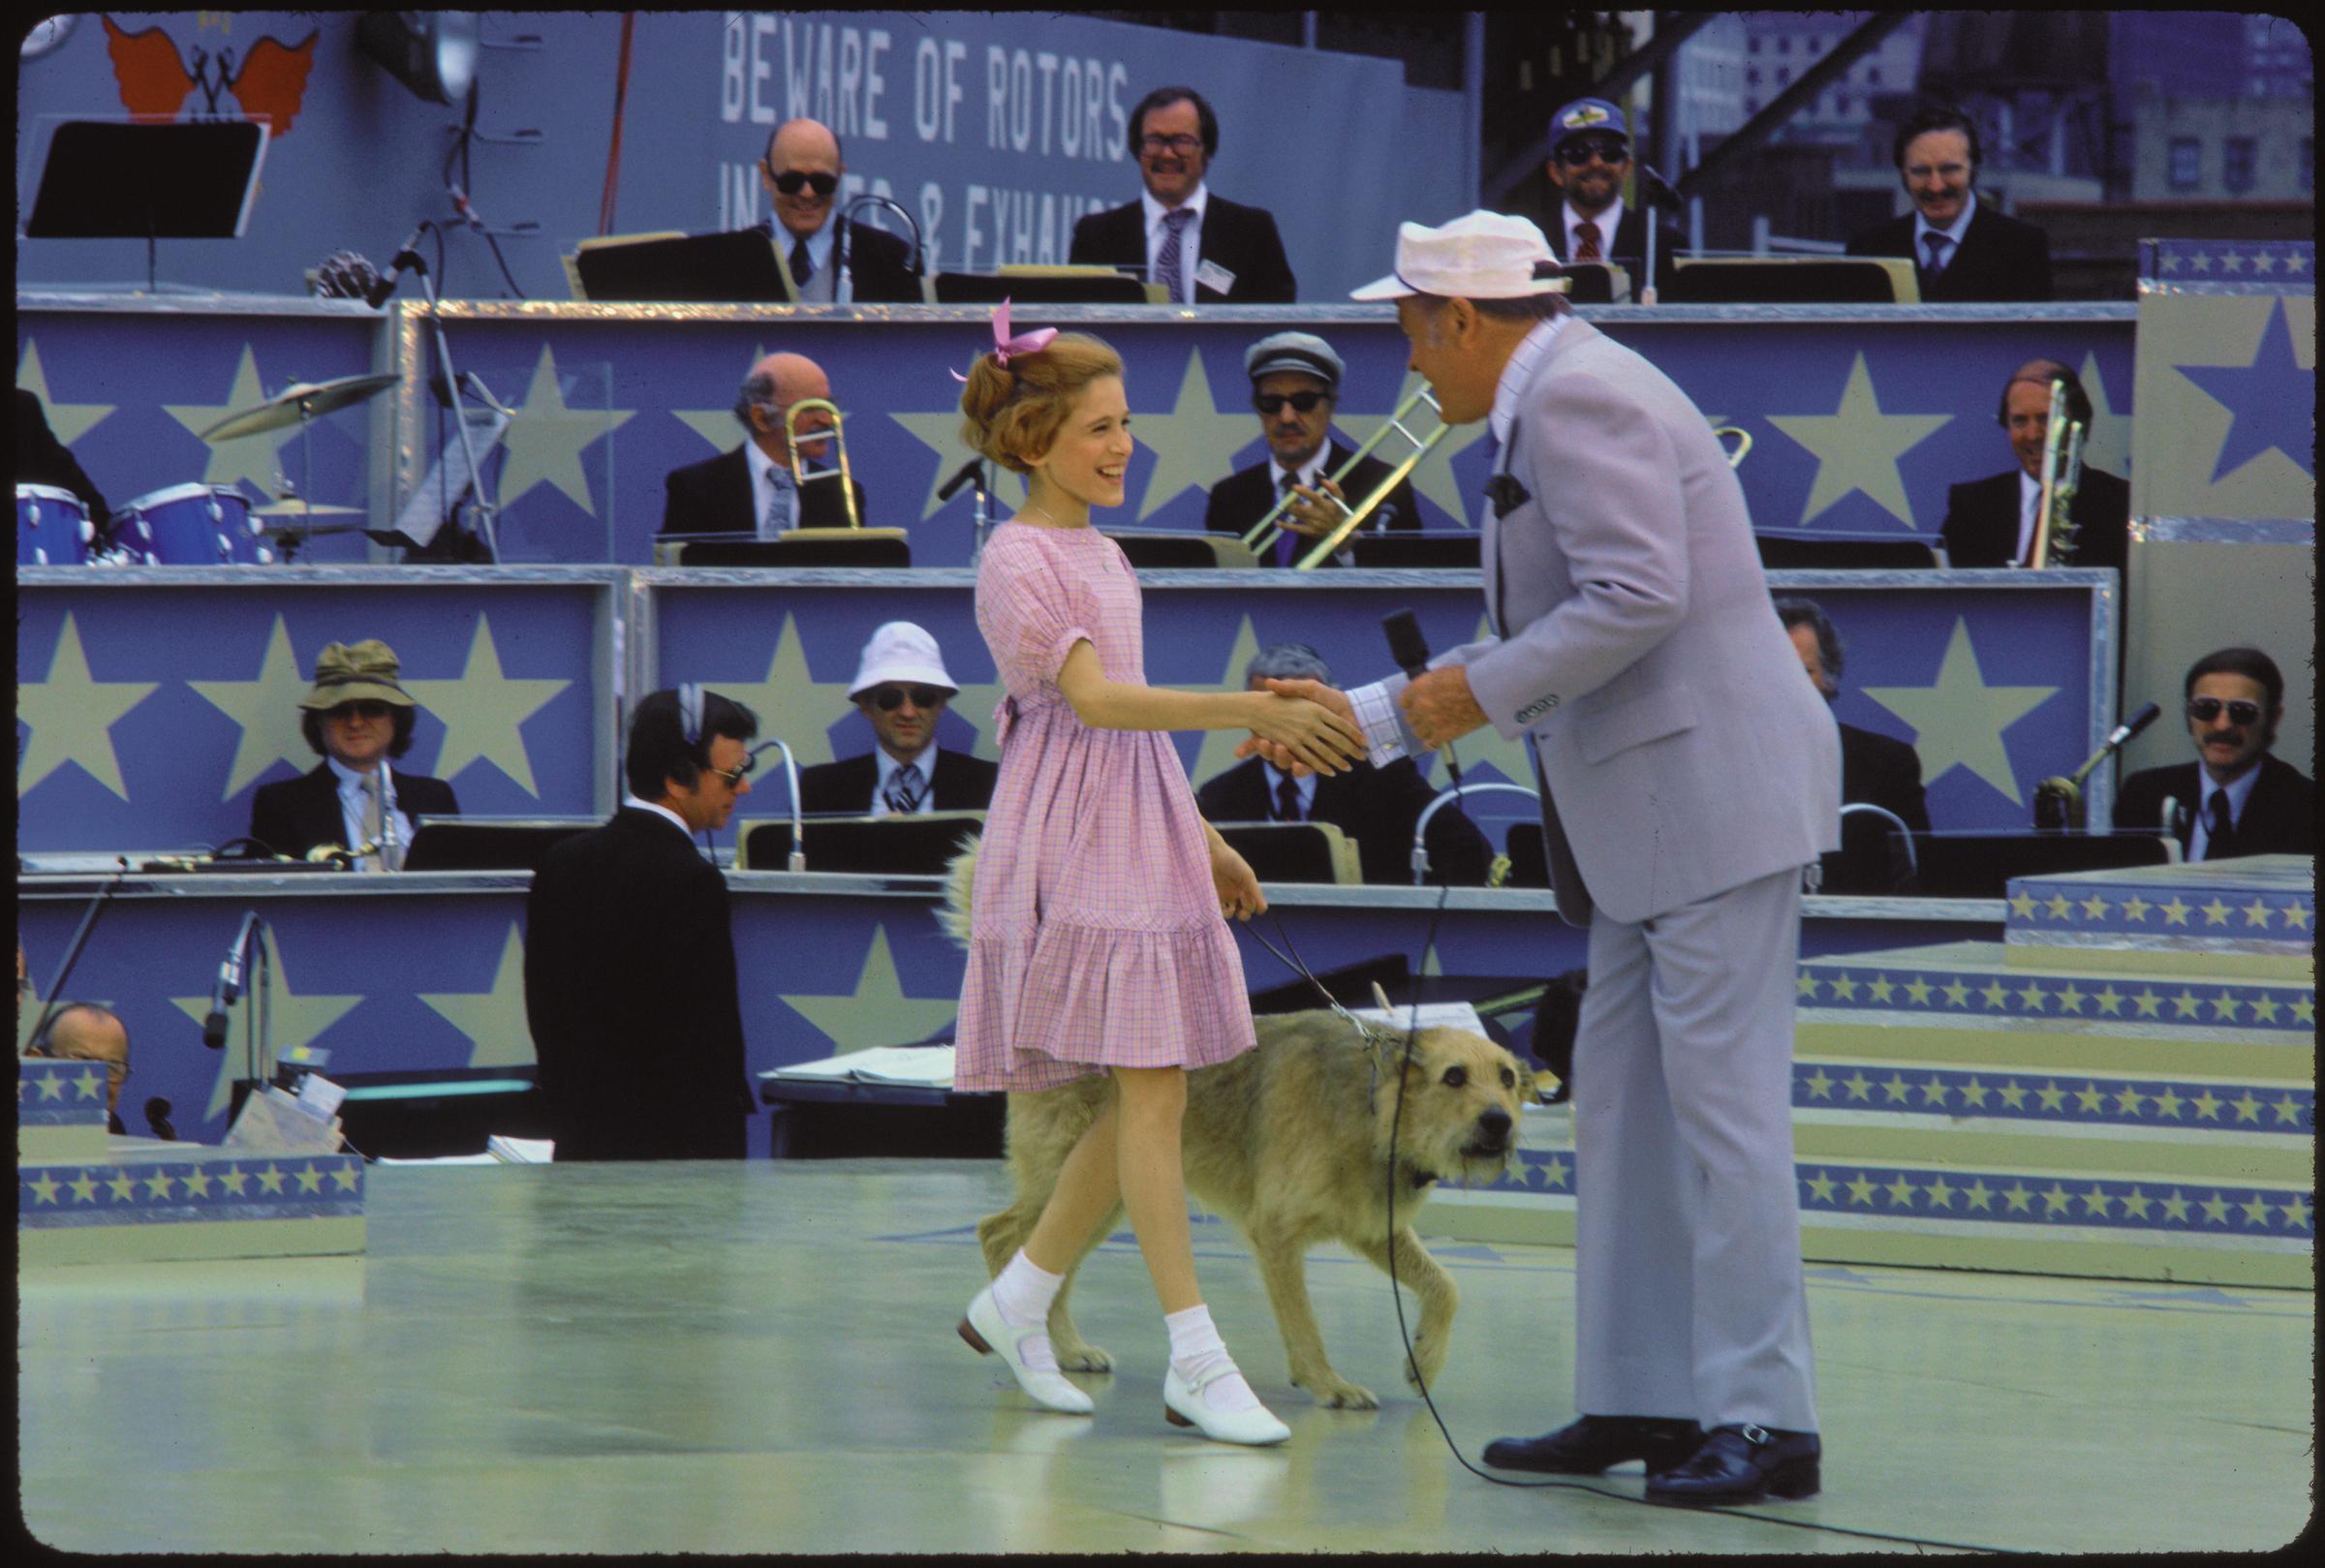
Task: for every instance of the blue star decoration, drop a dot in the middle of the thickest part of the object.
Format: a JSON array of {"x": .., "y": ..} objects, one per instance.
[{"x": 2272, "y": 402}]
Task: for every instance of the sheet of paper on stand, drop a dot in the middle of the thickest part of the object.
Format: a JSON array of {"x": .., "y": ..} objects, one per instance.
[{"x": 929, "y": 1065}]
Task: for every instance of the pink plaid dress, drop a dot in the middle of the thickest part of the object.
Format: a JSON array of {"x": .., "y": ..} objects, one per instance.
[{"x": 1095, "y": 933}]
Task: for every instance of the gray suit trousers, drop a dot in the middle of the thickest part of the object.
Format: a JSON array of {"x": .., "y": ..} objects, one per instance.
[{"x": 1689, "y": 1294}]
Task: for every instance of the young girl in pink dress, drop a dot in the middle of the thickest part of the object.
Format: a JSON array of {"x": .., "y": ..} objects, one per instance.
[{"x": 1097, "y": 941}]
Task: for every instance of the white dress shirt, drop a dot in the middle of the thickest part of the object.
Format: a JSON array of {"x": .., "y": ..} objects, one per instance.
[
  {"x": 2030, "y": 503},
  {"x": 820, "y": 254},
  {"x": 663, "y": 811},
  {"x": 1191, "y": 238},
  {"x": 926, "y": 762},
  {"x": 355, "y": 815},
  {"x": 1952, "y": 231},
  {"x": 2239, "y": 790}
]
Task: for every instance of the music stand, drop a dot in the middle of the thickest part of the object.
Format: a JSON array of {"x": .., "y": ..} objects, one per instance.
[
  {"x": 1295, "y": 851},
  {"x": 1166, "y": 548},
  {"x": 741, "y": 268},
  {"x": 1780, "y": 552},
  {"x": 1454, "y": 549},
  {"x": 1597, "y": 282},
  {"x": 428, "y": 508},
  {"x": 923, "y": 845},
  {"x": 113, "y": 180},
  {"x": 488, "y": 842},
  {"x": 1792, "y": 280},
  {"x": 1083, "y": 286},
  {"x": 797, "y": 547}
]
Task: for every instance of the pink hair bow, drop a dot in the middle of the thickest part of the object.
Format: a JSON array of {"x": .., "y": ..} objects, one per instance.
[{"x": 1004, "y": 345}]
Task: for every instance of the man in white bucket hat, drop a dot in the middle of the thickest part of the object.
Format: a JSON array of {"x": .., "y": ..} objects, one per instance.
[
  {"x": 1687, "y": 775},
  {"x": 900, "y": 688}
]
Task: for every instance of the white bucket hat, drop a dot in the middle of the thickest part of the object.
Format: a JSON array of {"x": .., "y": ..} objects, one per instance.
[
  {"x": 1478, "y": 255},
  {"x": 900, "y": 651}
]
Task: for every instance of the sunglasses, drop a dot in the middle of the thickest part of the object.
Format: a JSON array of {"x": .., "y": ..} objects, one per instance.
[
  {"x": 1272, "y": 403},
  {"x": 1581, "y": 150},
  {"x": 888, "y": 698},
  {"x": 359, "y": 710},
  {"x": 736, "y": 775},
  {"x": 2204, "y": 710},
  {"x": 790, "y": 182}
]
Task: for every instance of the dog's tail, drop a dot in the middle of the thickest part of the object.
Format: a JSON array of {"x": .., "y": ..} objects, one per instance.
[{"x": 960, "y": 881}]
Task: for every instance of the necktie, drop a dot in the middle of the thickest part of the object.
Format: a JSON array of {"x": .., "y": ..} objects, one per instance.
[
  {"x": 2219, "y": 832},
  {"x": 1167, "y": 262},
  {"x": 372, "y": 822},
  {"x": 903, "y": 795},
  {"x": 1586, "y": 242},
  {"x": 780, "y": 498},
  {"x": 803, "y": 265},
  {"x": 1287, "y": 800},
  {"x": 1935, "y": 243},
  {"x": 1284, "y": 537}
]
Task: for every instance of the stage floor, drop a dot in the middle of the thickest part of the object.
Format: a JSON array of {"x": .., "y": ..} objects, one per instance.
[{"x": 760, "y": 1358}]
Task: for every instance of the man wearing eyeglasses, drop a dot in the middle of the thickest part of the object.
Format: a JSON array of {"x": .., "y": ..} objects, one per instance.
[
  {"x": 630, "y": 977},
  {"x": 2235, "y": 799},
  {"x": 355, "y": 717},
  {"x": 1590, "y": 159},
  {"x": 1295, "y": 388},
  {"x": 757, "y": 488},
  {"x": 900, "y": 688},
  {"x": 1202, "y": 249},
  {"x": 802, "y": 170},
  {"x": 1962, "y": 249}
]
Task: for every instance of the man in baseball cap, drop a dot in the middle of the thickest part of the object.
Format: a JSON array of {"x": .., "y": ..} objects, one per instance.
[
  {"x": 1590, "y": 159},
  {"x": 1295, "y": 388},
  {"x": 357, "y": 716},
  {"x": 901, "y": 689}
]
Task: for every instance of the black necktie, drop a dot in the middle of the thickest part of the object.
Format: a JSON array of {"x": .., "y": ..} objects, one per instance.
[
  {"x": 903, "y": 793},
  {"x": 2219, "y": 833},
  {"x": 803, "y": 265},
  {"x": 1286, "y": 539},
  {"x": 1287, "y": 800}
]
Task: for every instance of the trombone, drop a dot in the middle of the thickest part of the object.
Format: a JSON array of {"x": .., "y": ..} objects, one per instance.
[
  {"x": 1267, "y": 530},
  {"x": 1735, "y": 459},
  {"x": 2062, "y": 473},
  {"x": 802, "y": 476}
]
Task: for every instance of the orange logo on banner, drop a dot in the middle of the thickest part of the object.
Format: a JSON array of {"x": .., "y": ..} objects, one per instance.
[{"x": 155, "y": 81}]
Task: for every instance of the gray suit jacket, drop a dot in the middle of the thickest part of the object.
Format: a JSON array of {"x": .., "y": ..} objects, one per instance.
[{"x": 1681, "y": 754}]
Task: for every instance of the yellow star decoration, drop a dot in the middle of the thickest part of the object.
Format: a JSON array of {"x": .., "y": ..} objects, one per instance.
[
  {"x": 270, "y": 1180},
  {"x": 546, "y": 439},
  {"x": 1820, "y": 1188},
  {"x": 877, "y": 1012},
  {"x": 2095, "y": 908},
  {"x": 197, "y": 1182},
  {"x": 1194, "y": 443},
  {"x": 45, "y": 1189},
  {"x": 2135, "y": 910},
  {"x": 267, "y": 710},
  {"x": 1218, "y": 753},
  {"x": 1856, "y": 448},
  {"x": 792, "y": 687},
  {"x": 71, "y": 715},
  {"x": 84, "y": 1187},
  {"x": 1433, "y": 476},
  {"x": 69, "y": 421},
  {"x": 294, "y": 1023},
  {"x": 718, "y": 427},
  {"x": 1941, "y": 1193},
  {"x": 2216, "y": 913},
  {"x": 1959, "y": 721},
  {"x": 2107, "y": 443},
  {"x": 941, "y": 433},
  {"x": 484, "y": 712},
  {"x": 2059, "y": 908},
  {"x": 256, "y": 458},
  {"x": 2167, "y": 1104},
  {"x": 494, "y": 1020},
  {"x": 2256, "y": 913},
  {"x": 2022, "y": 904}
]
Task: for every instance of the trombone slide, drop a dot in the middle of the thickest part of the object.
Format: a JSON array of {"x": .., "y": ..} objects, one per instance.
[{"x": 839, "y": 438}]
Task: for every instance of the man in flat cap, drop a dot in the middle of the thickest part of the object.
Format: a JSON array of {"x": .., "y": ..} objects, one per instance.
[
  {"x": 1590, "y": 159},
  {"x": 1635, "y": 650},
  {"x": 1295, "y": 387},
  {"x": 356, "y": 717},
  {"x": 900, "y": 688}
]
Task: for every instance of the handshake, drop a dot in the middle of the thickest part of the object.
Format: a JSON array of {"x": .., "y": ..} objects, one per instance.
[{"x": 1297, "y": 737}]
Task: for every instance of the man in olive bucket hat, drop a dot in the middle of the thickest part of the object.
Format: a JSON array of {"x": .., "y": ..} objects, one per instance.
[{"x": 355, "y": 717}]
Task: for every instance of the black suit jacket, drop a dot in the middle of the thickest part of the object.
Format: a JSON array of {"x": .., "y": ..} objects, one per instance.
[
  {"x": 42, "y": 459},
  {"x": 630, "y": 995},
  {"x": 962, "y": 783},
  {"x": 1376, "y": 807},
  {"x": 2280, "y": 818},
  {"x": 1981, "y": 521},
  {"x": 1999, "y": 259},
  {"x": 878, "y": 263},
  {"x": 295, "y": 814},
  {"x": 1878, "y": 770},
  {"x": 714, "y": 497},
  {"x": 1241, "y": 240},
  {"x": 1244, "y": 496}
]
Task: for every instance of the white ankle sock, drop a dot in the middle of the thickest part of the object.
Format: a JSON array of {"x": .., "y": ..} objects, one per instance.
[
  {"x": 1196, "y": 1349},
  {"x": 1023, "y": 1291}
]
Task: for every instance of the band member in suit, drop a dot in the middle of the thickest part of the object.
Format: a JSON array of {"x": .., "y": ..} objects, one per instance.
[
  {"x": 1875, "y": 769},
  {"x": 1376, "y": 807},
  {"x": 2236, "y": 798},
  {"x": 1635, "y": 651},
  {"x": 1963, "y": 247},
  {"x": 801, "y": 170},
  {"x": 1295, "y": 389},
  {"x": 1204, "y": 249},
  {"x": 1990, "y": 522},
  {"x": 356, "y": 717},
  {"x": 630, "y": 981},
  {"x": 756, "y": 488},
  {"x": 900, "y": 688},
  {"x": 1590, "y": 159}
]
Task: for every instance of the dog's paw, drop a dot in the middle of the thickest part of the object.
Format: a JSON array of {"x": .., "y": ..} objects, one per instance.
[
  {"x": 1083, "y": 1358},
  {"x": 1335, "y": 1392}
]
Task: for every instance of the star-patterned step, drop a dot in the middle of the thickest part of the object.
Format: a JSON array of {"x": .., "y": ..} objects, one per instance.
[
  {"x": 2055, "y": 1098},
  {"x": 201, "y": 1186},
  {"x": 2179, "y": 917},
  {"x": 1974, "y": 980},
  {"x": 55, "y": 1094}
]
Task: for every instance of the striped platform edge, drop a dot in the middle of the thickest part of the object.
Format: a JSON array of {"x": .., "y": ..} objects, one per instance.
[
  {"x": 60, "y": 1108},
  {"x": 150, "y": 1201},
  {"x": 2223, "y": 919}
]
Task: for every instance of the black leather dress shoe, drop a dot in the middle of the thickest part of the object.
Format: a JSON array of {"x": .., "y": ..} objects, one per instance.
[
  {"x": 1589, "y": 1445},
  {"x": 1743, "y": 1464}
]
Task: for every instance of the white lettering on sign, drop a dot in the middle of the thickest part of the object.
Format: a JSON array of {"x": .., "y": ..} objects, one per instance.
[
  {"x": 978, "y": 197},
  {"x": 850, "y": 119},
  {"x": 875, "y": 84},
  {"x": 932, "y": 219},
  {"x": 1047, "y": 64},
  {"x": 997, "y": 95},
  {"x": 731, "y": 53},
  {"x": 762, "y": 113},
  {"x": 1118, "y": 77},
  {"x": 1069, "y": 109},
  {"x": 739, "y": 196}
]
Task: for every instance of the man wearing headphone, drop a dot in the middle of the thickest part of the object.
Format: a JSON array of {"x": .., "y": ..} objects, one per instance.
[
  {"x": 802, "y": 172},
  {"x": 1990, "y": 522},
  {"x": 630, "y": 988}
]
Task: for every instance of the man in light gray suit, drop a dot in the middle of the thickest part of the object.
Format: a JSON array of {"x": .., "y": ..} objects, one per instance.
[{"x": 1688, "y": 776}]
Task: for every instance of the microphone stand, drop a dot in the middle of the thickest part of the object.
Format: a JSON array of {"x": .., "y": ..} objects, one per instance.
[
  {"x": 846, "y": 252},
  {"x": 257, "y": 1025},
  {"x": 790, "y": 777},
  {"x": 73, "y": 950},
  {"x": 487, "y": 513}
]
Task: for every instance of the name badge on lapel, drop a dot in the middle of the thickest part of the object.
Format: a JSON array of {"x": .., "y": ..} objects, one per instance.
[
  {"x": 1506, "y": 494},
  {"x": 1211, "y": 275}
]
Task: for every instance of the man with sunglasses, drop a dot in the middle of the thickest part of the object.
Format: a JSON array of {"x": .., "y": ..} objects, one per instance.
[
  {"x": 630, "y": 977},
  {"x": 1590, "y": 159},
  {"x": 757, "y": 488},
  {"x": 1202, "y": 249},
  {"x": 2235, "y": 799},
  {"x": 802, "y": 172},
  {"x": 1295, "y": 388},
  {"x": 900, "y": 688},
  {"x": 355, "y": 717}
]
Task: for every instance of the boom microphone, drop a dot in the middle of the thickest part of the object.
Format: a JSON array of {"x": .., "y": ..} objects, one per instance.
[
  {"x": 406, "y": 257},
  {"x": 952, "y": 487},
  {"x": 2130, "y": 728},
  {"x": 229, "y": 986}
]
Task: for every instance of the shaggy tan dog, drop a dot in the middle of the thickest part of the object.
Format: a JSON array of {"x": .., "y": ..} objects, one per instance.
[{"x": 1289, "y": 1142}]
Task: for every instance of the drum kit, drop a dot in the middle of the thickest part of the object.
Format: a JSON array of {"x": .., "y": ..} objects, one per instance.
[{"x": 201, "y": 525}]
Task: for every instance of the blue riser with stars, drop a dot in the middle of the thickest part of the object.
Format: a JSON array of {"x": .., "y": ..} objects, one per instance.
[
  {"x": 60, "y": 1108},
  {"x": 149, "y": 1201},
  {"x": 2245, "y": 917}
]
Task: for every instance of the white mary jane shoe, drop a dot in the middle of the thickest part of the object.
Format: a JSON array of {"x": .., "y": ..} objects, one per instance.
[
  {"x": 1184, "y": 1405},
  {"x": 987, "y": 1334}
]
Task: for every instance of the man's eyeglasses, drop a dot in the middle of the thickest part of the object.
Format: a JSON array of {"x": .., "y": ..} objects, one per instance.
[
  {"x": 791, "y": 181},
  {"x": 1181, "y": 144},
  {"x": 1579, "y": 150},
  {"x": 1272, "y": 403},
  {"x": 359, "y": 710},
  {"x": 888, "y": 698},
  {"x": 2204, "y": 710},
  {"x": 736, "y": 775}
]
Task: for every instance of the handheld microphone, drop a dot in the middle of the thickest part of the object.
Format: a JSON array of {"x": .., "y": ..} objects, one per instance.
[
  {"x": 1406, "y": 644},
  {"x": 1657, "y": 190},
  {"x": 952, "y": 487},
  {"x": 228, "y": 987},
  {"x": 406, "y": 257}
]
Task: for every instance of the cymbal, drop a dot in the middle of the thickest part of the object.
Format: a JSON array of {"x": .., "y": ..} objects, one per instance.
[
  {"x": 299, "y": 508},
  {"x": 307, "y": 400},
  {"x": 293, "y": 531}
]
